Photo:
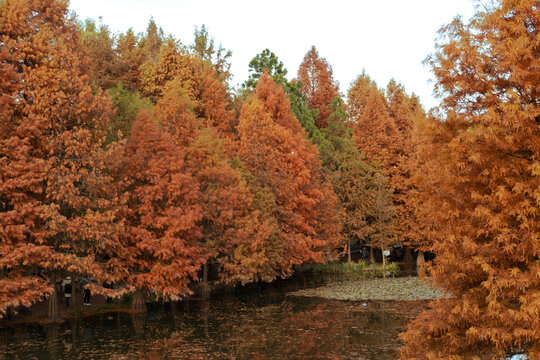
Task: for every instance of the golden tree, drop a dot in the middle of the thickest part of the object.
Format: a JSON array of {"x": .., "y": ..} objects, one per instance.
[{"x": 486, "y": 207}]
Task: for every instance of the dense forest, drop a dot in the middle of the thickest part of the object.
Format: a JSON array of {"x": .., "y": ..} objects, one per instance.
[{"x": 130, "y": 159}]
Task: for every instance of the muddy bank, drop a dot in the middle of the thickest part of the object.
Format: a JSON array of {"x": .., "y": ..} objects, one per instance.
[{"x": 401, "y": 289}]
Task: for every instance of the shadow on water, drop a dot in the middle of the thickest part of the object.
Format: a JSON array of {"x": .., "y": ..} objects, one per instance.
[{"x": 263, "y": 324}]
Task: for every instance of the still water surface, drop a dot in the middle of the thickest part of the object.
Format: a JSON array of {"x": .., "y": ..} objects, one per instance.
[{"x": 248, "y": 325}]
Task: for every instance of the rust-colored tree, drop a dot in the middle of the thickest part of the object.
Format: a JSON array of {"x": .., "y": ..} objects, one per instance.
[
  {"x": 56, "y": 205},
  {"x": 273, "y": 147},
  {"x": 198, "y": 79},
  {"x": 175, "y": 113},
  {"x": 488, "y": 175},
  {"x": 104, "y": 63},
  {"x": 383, "y": 215},
  {"x": 236, "y": 235},
  {"x": 161, "y": 219},
  {"x": 130, "y": 58},
  {"x": 374, "y": 131},
  {"x": 318, "y": 85},
  {"x": 382, "y": 129},
  {"x": 408, "y": 115}
]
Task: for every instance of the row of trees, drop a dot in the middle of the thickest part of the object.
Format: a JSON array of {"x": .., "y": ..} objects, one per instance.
[{"x": 129, "y": 159}]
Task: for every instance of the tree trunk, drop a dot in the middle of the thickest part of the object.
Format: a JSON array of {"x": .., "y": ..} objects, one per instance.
[
  {"x": 371, "y": 255},
  {"x": 383, "y": 261},
  {"x": 420, "y": 263},
  {"x": 76, "y": 302},
  {"x": 204, "y": 287},
  {"x": 408, "y": 258},
  {"x": 349, "y": 252},
  {"x": 138, "y": 303},
  {"x": 52, "y": 302}
]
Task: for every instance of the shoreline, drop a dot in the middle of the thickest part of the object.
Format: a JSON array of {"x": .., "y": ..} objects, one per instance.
[{"x": 391, "y": 289}]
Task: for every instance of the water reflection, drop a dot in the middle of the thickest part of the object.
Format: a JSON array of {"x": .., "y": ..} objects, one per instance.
[{"x": 269, "y": 326}]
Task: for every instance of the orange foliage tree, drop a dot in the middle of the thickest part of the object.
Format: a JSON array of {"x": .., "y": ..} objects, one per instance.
[
  {"x": 235, "y": 235},
  {"x": 374, "y": 131},
  {"x": 56, "y": 207},
  {"x": 408, "y": 115},
  {"x": 383, "y": 130},
  {"x": 162, "y": 214},
  {"x": 198, "y": 79},
  {"x": 130, "y": 59},
  {"x": 274, "y": 149},
  {"x": 318, "y": 85},
  {"x": 488, "y": 174},
  {"x": 105, "y": 69}
]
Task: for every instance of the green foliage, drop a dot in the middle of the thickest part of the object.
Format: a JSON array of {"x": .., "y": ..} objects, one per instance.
[
  {"x": 128, "y": 104},
  {"x": 265, "y": 61},
  {"x": 351, "y": 271}
]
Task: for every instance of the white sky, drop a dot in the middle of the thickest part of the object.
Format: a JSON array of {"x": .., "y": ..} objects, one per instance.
[{"x": 387, "y": 38}]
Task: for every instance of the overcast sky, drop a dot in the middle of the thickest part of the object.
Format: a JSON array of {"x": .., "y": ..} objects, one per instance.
[{"x": 386, "y": 38}]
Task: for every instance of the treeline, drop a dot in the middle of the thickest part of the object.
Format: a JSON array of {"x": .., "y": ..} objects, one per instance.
[{"x": 129, "y": 158}]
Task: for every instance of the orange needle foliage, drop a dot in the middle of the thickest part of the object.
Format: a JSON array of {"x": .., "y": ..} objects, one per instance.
[
  {"x": 318, "y": 85},
  {"x": 56, "y": 205},
  {"x": 486, "y": 207},
  {"x": 198, "y": 79},
  {"x": 162, "y": 233},
  {"x": 236, "y": 236},
  {"x": 273, "y": 147},
  {"x": 383, "y": 130}
]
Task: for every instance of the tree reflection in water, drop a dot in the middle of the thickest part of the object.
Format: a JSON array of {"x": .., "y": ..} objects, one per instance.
[{"x": 234, "y": 327}]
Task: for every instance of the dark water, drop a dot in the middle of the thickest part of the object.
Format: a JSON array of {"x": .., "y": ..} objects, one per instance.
[{"x": 249, "y": 325}]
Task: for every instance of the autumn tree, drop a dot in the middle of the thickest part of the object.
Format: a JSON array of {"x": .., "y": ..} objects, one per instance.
[
  {"x": 56, "y": 210},
  {"x": 204, "y": 47},
  {"x": 235, "y": 233},
  {"x": 374, "y": 131},
  {"x": 273, "y": 147},
  {"x": 318, "y": 85},
  {"x": 238, "y": 234},
  {"x": 162, "y": 215},
  {"x": 151, "y": 41},
  {"x": 104, "y": 63},
  {"x": 383, "y": 128},
  {"x": 487, "y": 201},
  {"x": 383, "y": 213},
  {"x": 176, "y": 115},
  {"x": 408, "y": 115},
  {"x": 199, "y": 81},
  {"x": 130, "y": 57},
  {"x": 352, "y": 181}
]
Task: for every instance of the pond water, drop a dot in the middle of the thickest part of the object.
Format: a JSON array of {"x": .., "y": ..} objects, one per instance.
[{"x": 265, "y": 324}]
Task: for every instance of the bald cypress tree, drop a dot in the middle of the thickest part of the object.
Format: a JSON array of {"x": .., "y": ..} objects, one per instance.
[{"x": 486, "y": 206}]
